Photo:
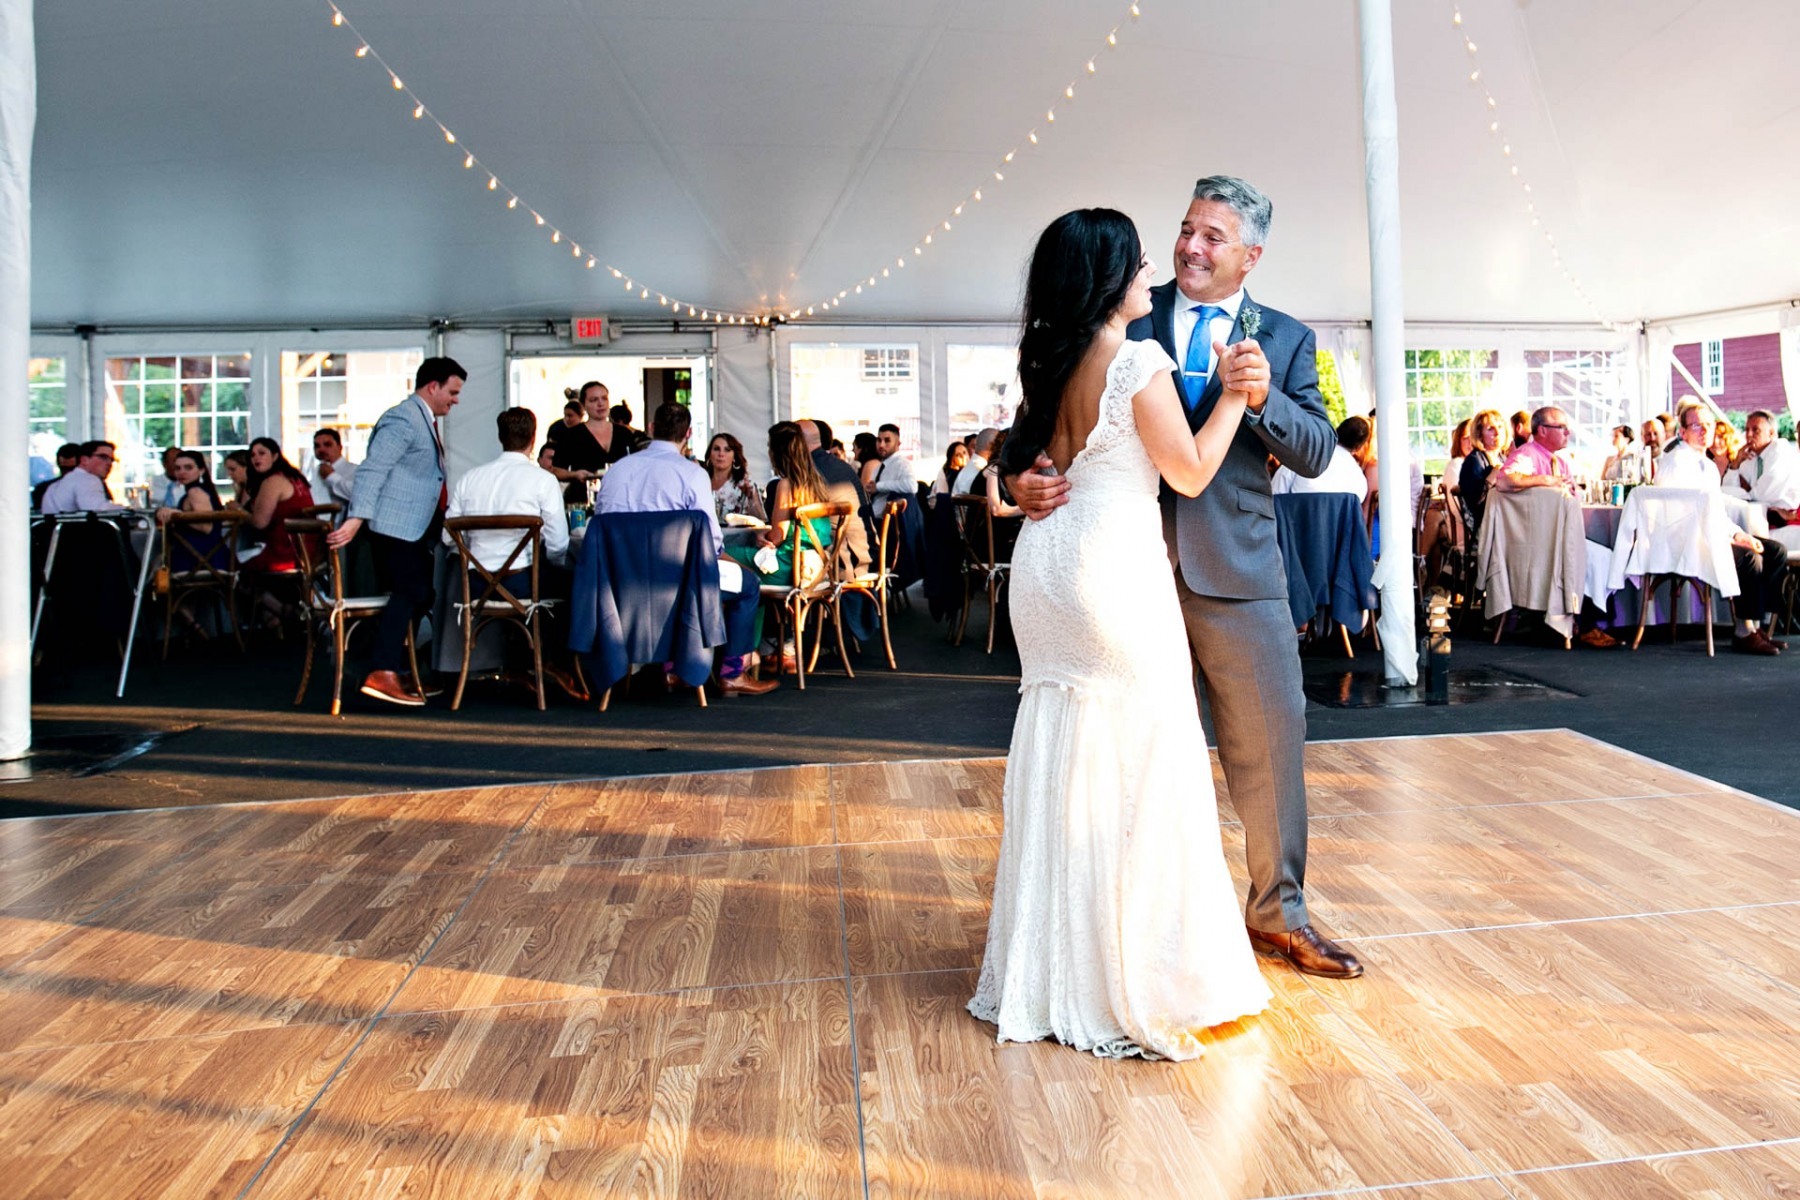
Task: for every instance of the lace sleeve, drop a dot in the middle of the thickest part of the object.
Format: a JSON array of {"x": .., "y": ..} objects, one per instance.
[{"x": 1151, "y": 358}]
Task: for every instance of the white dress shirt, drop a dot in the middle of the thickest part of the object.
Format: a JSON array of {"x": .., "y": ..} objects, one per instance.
[
  {"x": 1686, "y": 467},
  {"x": 1218, "y": 329},
  {"x": 659, "y": 479},
  {"x": 1341, "y": 474},
  {"x": 510, "y": 486},
  {"x": 337, "y": 485},
  {"x": 969, "y": 478},
  {"x": 78, "y": 491},
  {"x": 1771, "y": 478},
  {"x": 893, "y": 479}
]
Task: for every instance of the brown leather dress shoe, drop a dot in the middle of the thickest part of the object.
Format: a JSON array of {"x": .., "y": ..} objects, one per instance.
[
  {"x": 743, "y": 685},
  {"x": 1598, "y": 639},
  {"x": 412, "y": 685},
  {"x": 1311, "y": 952},
  {"x": 386, "y": 685},
  {"x": 568, "y": 684},
  {"x": 1756, "y": 643}
]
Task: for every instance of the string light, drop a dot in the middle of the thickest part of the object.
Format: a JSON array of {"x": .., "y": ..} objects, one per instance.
[
  {"x": 1497, "y": 131},
  {"x": 471, "y": 161}
]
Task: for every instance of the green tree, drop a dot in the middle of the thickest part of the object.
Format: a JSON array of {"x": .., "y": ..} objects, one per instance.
[{"x": 1331, "y": 387}]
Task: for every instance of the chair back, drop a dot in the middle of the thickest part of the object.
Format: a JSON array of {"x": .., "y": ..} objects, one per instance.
[
  {"x": 320, "y": 564},
  {"x": 887, "y": 542},
  {"x": 214, "y": 561},
  {"x": 324, "y": 512},
  {"x": 828, "y": 566},
  {"x": 528, "y": 531},
  {"x": 977, "y": 521}
]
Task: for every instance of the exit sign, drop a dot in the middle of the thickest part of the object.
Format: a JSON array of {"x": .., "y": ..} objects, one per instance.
[{"x": 583, "y": 330}]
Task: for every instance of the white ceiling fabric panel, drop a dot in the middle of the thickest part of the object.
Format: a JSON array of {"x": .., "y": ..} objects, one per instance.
[{"x": 231, "y": 161}]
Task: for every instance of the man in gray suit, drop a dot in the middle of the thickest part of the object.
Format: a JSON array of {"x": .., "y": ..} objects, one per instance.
[
  {"x": 1228, "y": 568},
  {"x": 401, "y": 491}
]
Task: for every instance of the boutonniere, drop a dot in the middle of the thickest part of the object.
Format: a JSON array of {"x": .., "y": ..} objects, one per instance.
[{"x": 1251, "y": 318}]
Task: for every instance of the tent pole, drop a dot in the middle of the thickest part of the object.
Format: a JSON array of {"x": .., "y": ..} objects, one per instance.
[
  {"x": 18, "y": 124},
  {"x": 1381, "y": 177}
]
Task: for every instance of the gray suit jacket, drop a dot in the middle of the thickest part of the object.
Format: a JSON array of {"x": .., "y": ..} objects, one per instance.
[
  {"x": 1224, "y": 538},
  {"x": 398, "y": 483}
]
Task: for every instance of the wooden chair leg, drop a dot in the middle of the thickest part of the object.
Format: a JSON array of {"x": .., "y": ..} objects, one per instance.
[
  {"x": 837, "y": 626},
  {"x": 887, "y": 642},
  {"x": 306, "y": 670},
  {"x": 962, "y": 624},
  {"x": 993, "y": 593},
  {"x": 1499, "y": 627},
  {"x": 1344, "y": 633},
  {"x": 412, "y": 662},
  {"x": 462, "y": 675},
  {"x": 1706, "y": 609},
  {"x": 1644, "y": 594},
  {"x": 537, "y": 661},
  {"x": 800, "y": 644},
  {"x": 338, "y": 638}
]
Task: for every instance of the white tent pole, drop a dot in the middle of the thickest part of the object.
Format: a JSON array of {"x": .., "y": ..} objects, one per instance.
[
  {"x": 1381, "y": 177},
  {"x": 1704, "y": 396},
  {"x": 18, "y": 123}
]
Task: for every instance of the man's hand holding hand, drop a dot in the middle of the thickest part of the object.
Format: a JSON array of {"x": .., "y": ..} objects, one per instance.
[
  {"x": 344, "y": 534},
  {"x": 1244, "y": 368},
  {"x": 1038, "y": 494}
]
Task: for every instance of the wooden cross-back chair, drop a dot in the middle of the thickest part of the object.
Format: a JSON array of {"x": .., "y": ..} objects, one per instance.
[
  {"x": 875, "y": 582},
  {"x": 818, "y": 568},
  {"x": 980, "y": 561},
  {"x": 213, "y": 569},
  {"x": 326, "y": 608},
  {"x": 497, "y": 602}
]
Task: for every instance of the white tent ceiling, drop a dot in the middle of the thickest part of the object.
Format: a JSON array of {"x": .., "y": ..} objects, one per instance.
[{"x": 232, "y": 162}]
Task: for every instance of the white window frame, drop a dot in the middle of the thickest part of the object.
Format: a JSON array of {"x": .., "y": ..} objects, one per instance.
[{"x": 1712, "y": 365}]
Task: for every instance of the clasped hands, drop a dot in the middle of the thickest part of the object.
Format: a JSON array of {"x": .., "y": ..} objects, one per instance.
[{"x": 1242, "y": 368}]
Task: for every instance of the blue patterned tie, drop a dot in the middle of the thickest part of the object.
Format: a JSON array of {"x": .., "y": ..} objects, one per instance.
[{"x": 1199, "y": 353}]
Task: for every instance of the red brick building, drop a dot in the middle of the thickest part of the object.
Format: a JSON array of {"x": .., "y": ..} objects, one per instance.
[{"x": 1742, "y": 373}]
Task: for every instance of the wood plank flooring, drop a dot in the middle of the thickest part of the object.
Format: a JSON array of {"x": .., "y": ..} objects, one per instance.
[{"x": 1584, "y": 981}]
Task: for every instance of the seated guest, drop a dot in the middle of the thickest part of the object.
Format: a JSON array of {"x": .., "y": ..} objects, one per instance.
[
  {"x": 237, "y": 470},
  {"x": 67, "y": 456},
  {"x": 1650, "y": 434},
  {"x": 981, "y": 452},
  {"x": 1461, "y": 442},
  {"x": 841, "y": 486},
  {"x": 1342, "y": 474},
  {"x": 1544, "y": 462},
  {"x": 729, "y": 471},
  {"x": 84, "y": 488},
  {"x": 660, "y": 478},
  {"x": 1622, "y": 462},
  {"x": 512, "y": 485},
  {"x": 1768, "y": 473},
  {"x": 1521, "y": 428},
  {"x": 865, "y": 460},
  {"x": 1726, "y": 448},
  {"x": 894, "y": 478},
  {"x": 277, "y": 491},
  {"x": 172, "y": 490},
  {"x": 1761, "y": 564},
  {"x": 546, "y": 459},
  {"x": 1485, "y": 457},
  {"x": 1671, "y": 423},
  {"x": 332, "y": 473},
  {"x": 197, "y": 495},
  {"x": 797, "y": 482},
  {"x": 1000, "y": 502},
  {"x": 956, "y": 457}
]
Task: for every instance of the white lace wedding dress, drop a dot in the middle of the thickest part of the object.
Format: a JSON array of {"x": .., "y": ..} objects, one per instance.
[{"x": 1116, "y": 927}]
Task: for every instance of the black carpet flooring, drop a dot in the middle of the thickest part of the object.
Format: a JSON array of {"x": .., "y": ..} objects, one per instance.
[{"x": 212, "y": 726}]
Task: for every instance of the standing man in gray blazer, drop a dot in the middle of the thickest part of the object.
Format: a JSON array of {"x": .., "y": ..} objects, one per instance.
[
  {"x": 1228, "y": 568},
  {"x": 401, "y": 490}
]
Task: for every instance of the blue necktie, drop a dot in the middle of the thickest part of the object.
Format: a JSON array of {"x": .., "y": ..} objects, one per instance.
[{"x": 1199, "y": 353}]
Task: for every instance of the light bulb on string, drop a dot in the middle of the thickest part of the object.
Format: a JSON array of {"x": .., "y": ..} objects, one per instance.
[
  {"x": 493, "y": 183},
  {"x": 337, "y": 18},
  {"x": 418, "y": 111},
  {"x": 362, "y": 52},
  {"x": 512, "y": 202},
  {"x": 449, "y": 137},
  {"x": 398, "y": 86},
  {"x": 468, "y": 162}
]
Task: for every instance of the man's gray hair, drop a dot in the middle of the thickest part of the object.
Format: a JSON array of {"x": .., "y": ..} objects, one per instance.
[
  {"x": 984, "y": 441},
  {"x": 1252, "y": 207},
  {"x": 1764, "y": 414}
]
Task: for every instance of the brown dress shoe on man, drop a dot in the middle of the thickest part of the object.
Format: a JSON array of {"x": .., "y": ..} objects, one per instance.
[
  {"x": 743, "y": 685},
  {"x": 1756, "y": 643},
  {"x": 1598, "y": 639},
  {"x": 1311, "y": 952},
  {"x": 386, "y": 685}
]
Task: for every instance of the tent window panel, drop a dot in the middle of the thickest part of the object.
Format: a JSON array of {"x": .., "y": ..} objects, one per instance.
[
  {"x": 857, "y": 389},
  {"x": 1712, "y": 362},
  {"x": 983, "y": 383},
  {"x": 1443, "y": 389},
  {"x": 153, "y": 403},
  {"x": 342, "y": 390},
  {"x": 47, "y": 380},
  {"x": 1591, "y": 386}
]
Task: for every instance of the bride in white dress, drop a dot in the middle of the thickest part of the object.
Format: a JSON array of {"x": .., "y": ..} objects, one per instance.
[{"x": 1115, "y": 925}]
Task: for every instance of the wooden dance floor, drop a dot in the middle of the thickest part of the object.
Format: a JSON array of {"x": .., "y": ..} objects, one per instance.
[{"x": 1584, "y": 981}]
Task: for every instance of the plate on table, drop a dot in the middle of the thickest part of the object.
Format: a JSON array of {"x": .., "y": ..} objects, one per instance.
[{"x": 744, "y": 521}]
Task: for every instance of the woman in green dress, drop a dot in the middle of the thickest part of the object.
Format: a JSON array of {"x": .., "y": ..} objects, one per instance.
[{"x": 798, "y": 483}]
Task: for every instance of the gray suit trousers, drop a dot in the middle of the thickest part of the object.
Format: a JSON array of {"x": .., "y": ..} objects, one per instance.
[{"x": 1250, "y": 670}]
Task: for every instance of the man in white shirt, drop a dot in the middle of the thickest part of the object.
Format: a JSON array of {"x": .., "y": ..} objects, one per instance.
[
  {"x": 1341, "y": 474},
  {"x": 514, "y": 485},
  {"x": 1761, "y": 564},
  {"x": 659, "y": 478},
  {"x": 969, "y": 478},
  {"x": 894, "y": 478},
  {"x": 84, "y": 488},
  {"x": 1770, "y": 471},
  {"x": 332, "y": 473}
]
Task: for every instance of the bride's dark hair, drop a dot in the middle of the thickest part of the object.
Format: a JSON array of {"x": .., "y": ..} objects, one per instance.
[{"x": 1080, "y": 273}]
